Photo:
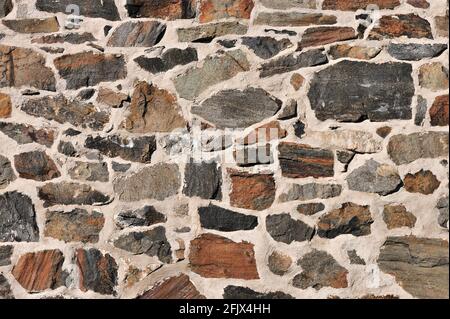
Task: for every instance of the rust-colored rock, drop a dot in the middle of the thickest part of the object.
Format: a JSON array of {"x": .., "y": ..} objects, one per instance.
[
  {"x": 213, "y": 256},
  {"x": 439, "y": 113},
  {"x": 265, "y": 133},
  {"x": 423, "y": 4},
  {"x": 423, "y": 182},
  {"x": 394, "y": 26},
  {"x": 324, "y": 35},
  {"x": 353, "y": 5},
  {"x": 178, "y": 287},
  {"x": 5, "y": 106},
  {"x": 433, "y": 76},
  {"x": 355, "y": 52},
  {"x": 396, "y": 216},
  {"x": 33, "y": 25},
  {"x": 297, "y": 81},
  {"x": 211, "y": 10}
]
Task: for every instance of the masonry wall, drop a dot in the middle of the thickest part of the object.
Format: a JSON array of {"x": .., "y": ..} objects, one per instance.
[{"x": 127, "y": 130}]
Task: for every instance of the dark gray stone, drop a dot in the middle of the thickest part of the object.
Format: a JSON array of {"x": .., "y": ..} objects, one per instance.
[
  {"x": 6, "y": 7},
  {"x": 119, "y": 167},
  {"x": 285, "y": 229},
  {"x": 421, "y": 111},
  {"x": 203, "y": 180},
  {"x": 67, "y": 148},
  {"x": 7, "y": 174},
  {"x": 5, "y": 288},
  {"x": 168, "y": 60},
  {"x": 289, "y": 111},
  {"x": 310, "y": 208},
  {"x": 221, "y": 219},
  {"x": 66, "y": 193},
  {"x": 137, "y": 34},
  {"x": 105, "y": 9},
  {"x": 5, "y": 255},
  {"x": 266, "y": 47},
  {"x": 91, "y": 172},
  {"x": 415, "y": 51},
  {"x": 442, "y": 206},
  {"x": 354, "y": 258},
  {"x": 145, "y": 216},
  {"x": 310, "y": 191},
  {"x": 235, "y": 292},
  {"x": 72, "y": 38}
]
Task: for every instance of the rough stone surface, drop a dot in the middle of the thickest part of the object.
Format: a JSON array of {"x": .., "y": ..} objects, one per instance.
[
  {"x": 443, "y": 207},
  {"x": 310, "y": 209},
  {"x": 354, "y": 52},
  {"x": 5, "y": 106},
  {"x": 26, "y": 134},
  {"x": 45, "y": 25},
  {"x": 146, "y": 216},
  {"x": 424, "y": 182},
  {"x": 207, "y": 32},
  {"x": 5, "y": 288},
  {"x": 354, "y": 258},
  {"x": 285, "y": 229},
  {"x": 66, "y": 193},
  {"x": 415, "y": 51},
  {"x": 36, "y": 165},
  {"x": 5, "y": 255},
  {"x": 409, "y": 25},
  {"x": 439, "y": 111},
  {"x": 168, "y": 60},
  {"x": 266, "y": 47},
  {"x": 137, "y": 34},
  {"x": 89, "y": 172},
  {"x": 235, "y": 292},
  {"x": 353, "y": 5},
  {"x": 293, "y": 19},
  {"x": 433, "y": 76},
  {"x": 396, "y": 216},
  {"x": 165, "y": 9},
  {"x": 279, "y": 263},
  {"x": 211, "y": 10},
  {"x": 105, "y": 9},
  {"x": 178, "y": 287},
  {"x": 218, "y": 218},
  {"x": 313, "y": 37},
  {"x": 7, "y": 174},
  {"x": 310, "y": 191},
  {"x": 203, "y": 180}
]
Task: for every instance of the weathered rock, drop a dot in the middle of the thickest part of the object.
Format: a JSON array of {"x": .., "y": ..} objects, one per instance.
[
  {"x": 26, "y": 134},
  {"x": 433, "y": 76},
  {"x": 374, "y": 177},
  {"x": 419, "y": 265},
  {"x": 77, "y": 225},
  {"x": 353, "y": 5},
  {"x": 25, "y": 67},
  {"x": 7, "y": 174},
  {"x": 39, "y": 271},
  {"x": 89, "y": 68},
  {"x": 320, "y": 270},
  {"x": 105, "y": 9},
  {"x": 168, "y": 60},
  {"x": 5, "y": 255},
  {"x": 293, "y": 62},
  {"x": 145, "y": 216},
  {"x": 238, "y": 109},
  {"x": 68, "y": 149},
  {"x": 213, "y": 70},
  {"x": 266, "y": 47},
  {"x": 5, "y": 288},
  {"x": 423, "y": 182},
  {"x": 293, "y": 19},
  {"x": 119, "y": 167},
  {"x": 443, "y": 207},
  {"x": 337, "y": 93},
  {"x": 279, "y": 263},
  {"x": 297, "y": 81},
  {"x": 207, "y": 32},
  {"x": 32, "y": 25},
  {"x": 203, "y": 180},
  {"x": 442, "y": 25},
  {"x": 421, "y": 110},
  {"x": 264, "y": 134},
  {"x": 36, "y": 165},
  {"x": 405, "y": 149},
  {"x": 355, "y": 52},
  {"x": 211, "y": 10},
  {"x": 354, "y": 258},
  {"x": 5, "y": 105},
  {"x": 252, "y": 191},
  {"x": 285, "y": 229},
  {"x": 310, "y": 191},
  {"x": 98, "y": 272},
  {"x": 17, "y": 218},
  {"x": 439, "y": 111},
  {"x": 310, "y": 208},
  {"x": 178, "y": 287},
  {"x": 289, "y": 4},
  {"x": 151, "y": 242},
  {"x": 112, "y": 98},
  {"x": 345, "y": 157},
  {"x": 415, "y": 51},
  {"x": 242, "y": 293},
  {"x": 163, "y": 9},
  {"x": 221, "y": 219},
  {"x": 213, "y": 256},
  {"x": 72, "y": 38},
  {"x": 325, "y": 35},
  {"x": 153, "y": 182},
  {"x": 384, "y": 131},
  {"x": 394, "y": 26},
  {"x": 67, "y": 193},
  {"x": 351, "y": 140},
  {"x": 137, "y": 34},
  {"x": 253, "y": 155},
  {"x": 396, "y": 216},
  {"x": 301, "y": 161},
  {"x": 423, "y": 4},
  {"x": 290, "y": 109},
  {"x": 6, "y": 7}
]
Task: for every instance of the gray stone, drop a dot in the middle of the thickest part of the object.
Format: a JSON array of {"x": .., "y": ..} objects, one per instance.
[
  {"x": 253, "y": 155},
  {"x": 310, "y": 208},
  {"x": 26, "y": 134},
  {"x": 203, "y": 180},
  {"x": 5, "y": 288},
  {"x": 221, "y": 219},
  {"x": 168, "y": 60},
  {"x": 421, "y": 111},
  {"x": 86, "y": 171},
  {"x": 354, "y": 258},
  {"x": 17, "y": 218},
  {"x": 285, "y": 229},
  {"x": 119, "y": 167},
  {"x": 386, "y": 94},
  {"x": 310, "y": 191},
  {"x": 67, "y": 149},
  {"x": 5, "y": 255},
  {"x": 6, "y": 7},
  {"x": 7, "y": 174},
  {"x": 266, "y": 47},
  {"x": 207, "y": 32},
  {"x": 442, "y": 206},
  {"x": 145, "y": 216},
  {"x": 293, "y": 19},
  {"x": 415, "y": 51},
  {"x": 105, "y": 9},
  {"x": 162, "y": 9},
  {"x": 137, "y": 34},
  {"x": 66, "y": 193},
  {"x": 289, "y": 4},
  {"x": 289, "y": 111},
  {"x": 235, "y": 292}
]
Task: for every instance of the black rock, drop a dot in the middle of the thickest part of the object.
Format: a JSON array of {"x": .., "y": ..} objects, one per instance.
[
  {"x": 105, "y": 9},
  {"x": 415, "y": 51},
  {"x": 236, "y": 292},
  {"x": 145, "y": 216},
  {"x": 218, "y": 218},
  {"x": 169, "y": 59},
  {"x": 285, "y": 229},
  {"x": 203, "y": 180},
  {"x": 5, "y": 255},
  {"x": 119, "y": 167},
  {"x": 266, "y": 47}
]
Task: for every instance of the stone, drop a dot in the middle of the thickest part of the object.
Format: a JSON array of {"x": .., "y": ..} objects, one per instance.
[
  {"x": 59, "y": 109},
  {"x": 264, "y": 134},
  {"x": 40, "y": 270},
  {"x": 293, "y": 62},
  {"x": 299, "y": 129},
  {"x": 221, "y": 219},
  {"x": 283, "y": 228},
  {"x": 433, "y": 76},
  {"x": 423, "y": 4},
  {"x": 384, "y": 131},
  {"x": 415, "y": 51},
  {"x": 243, "y": 293},
  {"x": 226, "y": 43},
  {"x": 5, "y": 288},
  {"x": 289, "y": 4},
  {"x": 213, "y": 256},
  {"x": 45, "y": 25},
  {"x": 151, "y": 242},
  {"x": 310, "y": 208},
  {"x": 211, "y": 10},
  {"x": 355, "y": 52},
  {"x": 24, "y": 67},
  {"x": 17, "y": 218},
  {"x": 279, "y": 263},
  {"x": 68, "y": 149},
  {"x": 405, "y": 149},
  {"x": 36, "y": 165},
  {"x": 423, "y": 182},
  {"x": 419, "y": 265},
  {"x": 7, "y": 174},
  {"x": 72, "y": 38},
  {"x": 168, "y": 60},
  {"x": 439, "y": 114},
  {"x": 6, "y": 7},
  {"x": 394, "y": 26},
  {"x": 203, "y": 180},
  {"x": 253, "y": 155},
  {"x": 320, "y": 36},
  {"x": 421, "y": 111},
  {"x": 441, "y": 23},
  {"x": 351, "y": 219},
  {"x": 208, "y": 32},
  {"x": 442, "y": 206},
  {"x": 153, "y": 110},
  {"x": 139, "y": 149},
  {"x": 297, "y": 81},
  {"x": 310, "y": 191},
  {"x": 238, "y": 109},
  {"x": 157, "y": 182},
  {"x": 145, "y": 216},
  {"x": 119, "y": 167},
  {"x": 354, "y": 258},
  {"x": 354, "y": 5},
  {"x": 293, "y": 19},
  {"x": 105, "y": 9},
  {"x": 98, "y": 272},
  {"x": 5, "y": 255},
  {"x": 348, "y": 139},
  {"x": 137, "y": 34},
  {"x": 5, "y": 106},
  {"x": 336, "y": 93},
  {"x": 320, "y": 270},
  {"x": 374, "y": 177},
  {"x": 165, "y": 9},
  {"x": 345, "y": 157},
  {"x": 301, "y": 161},
  {"x": 396, "y": 216},
  {"x": 266, "y": 47},
  {"x": 77, "y": 225},
  {"x": 26, "y": 134},
  {"x": 86, "y": 69},
  {"x": 177, "y": 287},
  {"x": 213, "y": 70},
  {"x": 252, "y": 191},
  {"x": 68, "y": 193},
  {"x": 112, "y": 98},
  {"x": 86, "y": 94}
]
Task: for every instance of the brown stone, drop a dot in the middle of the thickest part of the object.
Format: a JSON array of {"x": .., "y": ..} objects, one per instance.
[
  {"x": 433, "y": 76},
  {"x": 293, "y": 19},
  {"x": 111, "y": 98},
  {"x": 442, "y": 25},
  {"x": 26, "y": 134},
  {"x": 36, "y": 165},
  {"x": 297, "y": 81},
  {"x": 279, "y": 263},
  {"x": 353, "y": 5},
  {"x": 384, "y": 131},
  {"x": 178, "y": 287},
  {"x": 319, "y": 36},
  {"x": 439, "y": 113},
  {"x": 5, "y": 106},
  {"x": 394, "y": 26},
  {"x": 354, "y": 52},
  {"x": 252, "y": 191},
  {"x": 265, "y": 133},
  {"x": 396, "y": 216},
  {"x": 66, "y": 193},
  {"x": 213, "y": 256},
  {"x": 40, "y": 270},
  {"x": 211, "y": 10},
  {"x": 423, "y": 182},
  {"x": 423, "y": 4},
  {"x": 33, "y": 25}
]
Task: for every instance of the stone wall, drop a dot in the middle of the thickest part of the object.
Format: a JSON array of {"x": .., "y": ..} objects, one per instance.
[{"x": 126, "y": 137}]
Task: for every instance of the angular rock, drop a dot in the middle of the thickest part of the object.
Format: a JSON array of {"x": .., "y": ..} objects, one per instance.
[
  {"x": 442, "y": 25},
  {"x": 5, "y": 255},
  {"x": 17, "y": 218},
  {"x": 355, "y": 52},
  {"x": 325, "y": 35},
  {"x": 5, "y": 106},
  {"x": 419, "y": 3},
  {"x": 310, "y": 208},
  {"x": 320, "y": 270},
  {"x": 177, "y": 287},
  {"x": 439, "y": 111},
  {"x": 7, "y": 174},
  {"x": 207, "y": 32},
  {"x": 421, "y": 111},
  {"x": 349, "y": 219},
  {"x": 119, "y": 167},
  {"x": 289, "y": 4},
  {"x": 290, "y": 110},
  {"x": 67, "y": 193},
  {"x": 221, "y": 219},
  {"x": 151, "y": 242},
  {"x": 285, "y": 229},
  {"x": 299, "y": 129},
  {"x": 26, "y": 134},
  {"x": 266, "y": 47},
  {"x": 36, "y": 165},
  {"x": 77, "y": 225},
  {"x": 297, "y": 81},
  {"x": 213, "y": 70},
  {"x": 98, "y": 272},
  {"x": 395, "y": 26},
  {"x": 203, "y": 180},
  {"x": 105, "y": 9},
  {"x": 373, "y": 177},
  {"x": 67, "y": 149},
  {"x": 415, "y": 51},
  {"x": 168, "y": 60},
  {"x": 243, "y": 293},
  {"x": 45, "y": 25},
  {"x": 89, "y": 68},
  {"x": 433, "y": 76},
  {"x": 158, "y": 182},
  {"x": 423, "y": 182},
  {"x": 145, "y": 216},
  {"x": 72, "y": 38},
  {"x": 279, "y": 263},
  {"x": 419, "y": 265},
  {"x": 292, "y": 19},
  {"x": 5, "y": 288},
  {"x": 443, "y": 207},
  {"x": 213, "y": 256},
  {"x": 6, "y": 7},
  {"x": 137, "y": 34},
  {"x": 337, "y": 93},
  {"x": 354, "y": 258},
  {"x": 211, "y": 10},
  {"x": 396, "y": 216},
  {"x": 310, "y": 191},
  {"x": 163, "y": 9},
  {"x": 351, "y": 140},
  {"x": 353, "y": 5},
  {"x": 253, "y": 155},
  {"x": 112, "y": 98},
  {"x": 40, "y": 270}
]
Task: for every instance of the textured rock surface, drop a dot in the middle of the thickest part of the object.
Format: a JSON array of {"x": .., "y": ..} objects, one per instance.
[
  {"x": 409, "y": 25},
  {"x": 45, "y": 25},
  {"x": 105, "y": 9},
  {"x": 5, "y": 255},
  {"x": 218, "y": 218},
  {"x": 7, "y": 174},
  {"x": 168, "y": 60},
  {"x": 65, "y": 193},
  {"x": 179, "y": 287},
  {"x": 165, "y": 9},
  {"x": 137, "y": 34},
  {"x": 285, "y": 229},
  {"x": 235, "y": 292},
  {"x": 279, "y": 263},
  {"x": 415, "y": 51},
  {"x": 36, "y": 165},
  {"x": 396, "y": 216},
  {"x": 145, "y": 216},
  {"x": 423, "y": 182},
  {"x": 203, "y": 180},
  {"x": 310, "y": 191},
  {"x": 26, "y": 134}
]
